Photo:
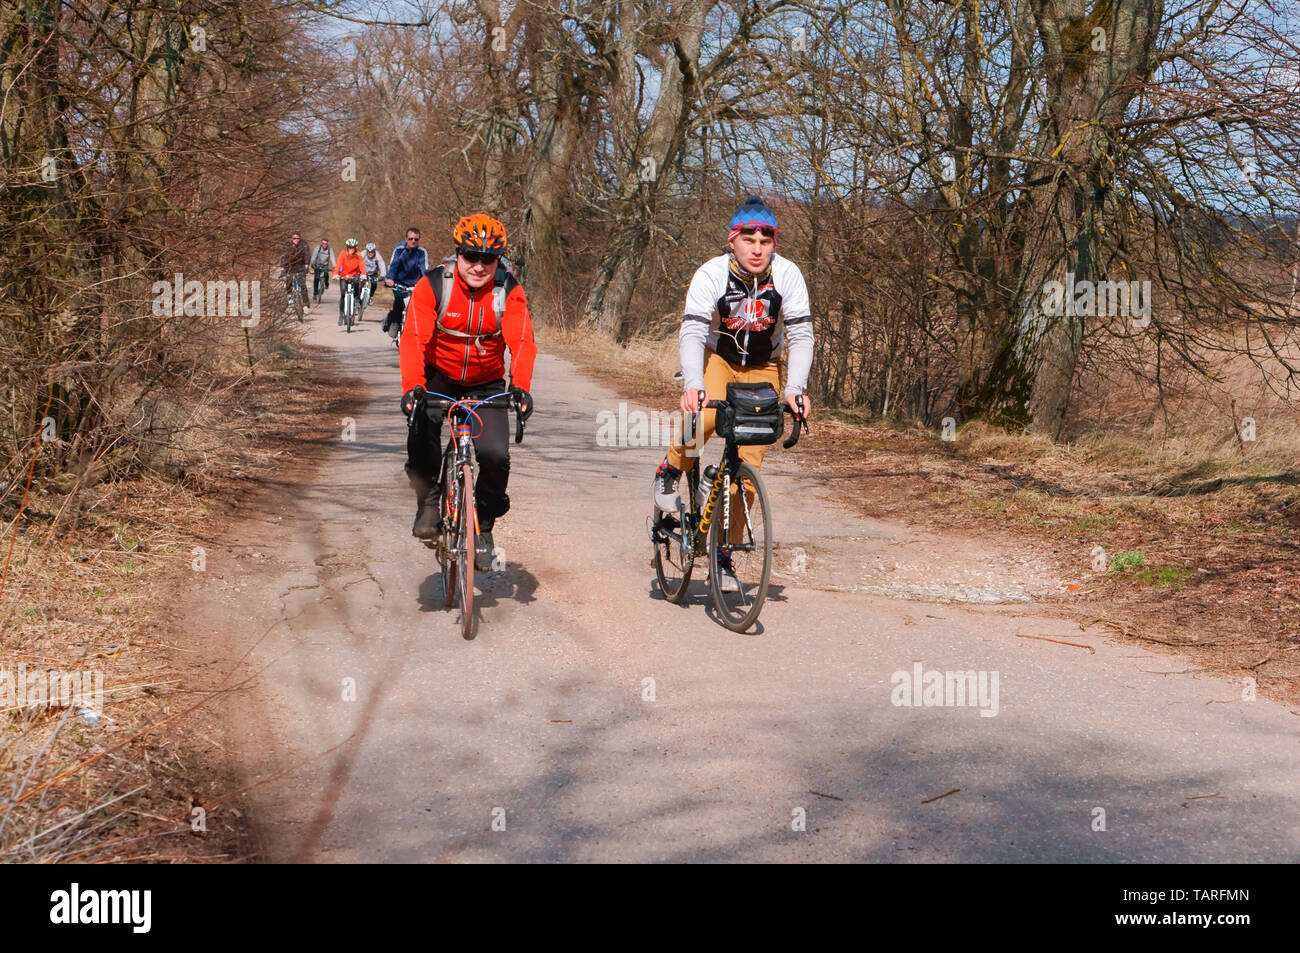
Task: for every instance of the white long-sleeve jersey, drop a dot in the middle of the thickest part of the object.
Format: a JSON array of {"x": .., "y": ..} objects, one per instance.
[{"x": 747, "y": 321}]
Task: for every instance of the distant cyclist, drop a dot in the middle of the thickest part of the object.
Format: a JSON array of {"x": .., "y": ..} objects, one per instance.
[
  {"x": 406, "y": 266},
  {"x": 742, "y": 308},
  {"x": 374, "y": 267},
  {"x": 458, "y": 350},
  {"x": 294, "y": 261},
  {"x": 322, "y": 266},
  {"x": 351, "y": 270}
]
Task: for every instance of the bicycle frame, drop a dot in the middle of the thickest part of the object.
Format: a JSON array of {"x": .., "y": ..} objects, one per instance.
[
  {"x": 695, "y": 526},
  {"x": 296, "y": 289},
  {"x": 460, "y": 441},
  {"x": 695, "y": 520},
  {"x": 730, "y": 458}
]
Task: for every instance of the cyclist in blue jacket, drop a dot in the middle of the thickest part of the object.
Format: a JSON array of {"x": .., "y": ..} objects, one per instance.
[{"x": 407, "y": 265}]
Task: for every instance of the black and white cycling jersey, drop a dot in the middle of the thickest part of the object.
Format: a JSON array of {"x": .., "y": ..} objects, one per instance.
[{"x": 746, "y": 320}]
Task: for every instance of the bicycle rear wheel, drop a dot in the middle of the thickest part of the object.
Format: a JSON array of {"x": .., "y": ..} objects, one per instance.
[
  {"x": 465, "y": 541},
  {"x": 748, "y": 545},
  {"x": 673, "y": 557}
]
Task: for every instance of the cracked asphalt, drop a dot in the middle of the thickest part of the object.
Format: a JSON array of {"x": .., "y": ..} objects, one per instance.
[{"x": 589, "y": 720}]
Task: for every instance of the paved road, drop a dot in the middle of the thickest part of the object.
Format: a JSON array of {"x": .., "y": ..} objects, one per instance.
[{"x": 548, "y": 724}]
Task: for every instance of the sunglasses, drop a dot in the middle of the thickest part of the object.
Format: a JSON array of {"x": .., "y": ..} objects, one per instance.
[
  {"x": 765, "y": 232},
  {"x": 478, "y": 258}
]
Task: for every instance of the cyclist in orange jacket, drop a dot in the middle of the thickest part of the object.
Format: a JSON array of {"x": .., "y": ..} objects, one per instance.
[
  {"x": 351, "y": 269},
  {"x": 460, "y": 352}
]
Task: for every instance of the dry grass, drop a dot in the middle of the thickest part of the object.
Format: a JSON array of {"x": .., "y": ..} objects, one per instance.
[
  {"x": 95, "y": 574},
  {"x": 644, "y": 368}
]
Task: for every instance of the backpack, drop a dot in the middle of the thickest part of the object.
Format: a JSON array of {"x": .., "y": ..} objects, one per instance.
[{"x": 442, "y": 295}]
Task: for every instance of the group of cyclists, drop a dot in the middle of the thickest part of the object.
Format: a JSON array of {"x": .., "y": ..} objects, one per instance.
[
  {"x": 742, "y": 309},
  {"x": 406, "y": 266}
]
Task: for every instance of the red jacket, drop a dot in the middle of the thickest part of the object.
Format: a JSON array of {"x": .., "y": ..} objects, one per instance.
[
  {"x": 422, "y": 347},
  {"x": 350, "y": 265}
]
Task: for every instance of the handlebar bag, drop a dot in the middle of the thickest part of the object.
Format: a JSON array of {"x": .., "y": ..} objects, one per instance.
[{"x": 752, "y": 415}]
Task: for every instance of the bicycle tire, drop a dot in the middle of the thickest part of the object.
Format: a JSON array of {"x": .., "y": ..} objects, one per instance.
[
  {"x": 739, "y": 611},
  {"x": 297, "y": 301},
  {"x": 673, "y": 560},
  {"x": 465, "y": 543},
  {"x": 448, "y": 512}
]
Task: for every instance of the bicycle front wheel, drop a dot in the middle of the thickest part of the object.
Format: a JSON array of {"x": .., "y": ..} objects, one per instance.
[
  {"x": 449, "y": 510},
  {"x": 465, "y": 541},
  {"x": 740, "y": 549}
]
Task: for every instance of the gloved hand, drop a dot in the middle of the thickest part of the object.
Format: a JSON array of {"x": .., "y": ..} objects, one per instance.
[
  {"x": 524, "y": 401},
  {"x": 411, "y": 398}
]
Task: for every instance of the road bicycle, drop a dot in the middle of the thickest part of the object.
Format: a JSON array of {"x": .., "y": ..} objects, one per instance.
[
  {"x": 349, "y": 302},
  {"x": 458, "y": 519},
  {"x": 320, "y": 281},
  {"x": 401, "y": 295},
  {"x": 297, "y": 295},
  {"x": 737, "y": 535}
]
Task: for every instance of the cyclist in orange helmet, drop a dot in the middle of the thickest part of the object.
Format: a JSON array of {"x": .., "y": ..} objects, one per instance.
[{"x": 456, "y": 347}]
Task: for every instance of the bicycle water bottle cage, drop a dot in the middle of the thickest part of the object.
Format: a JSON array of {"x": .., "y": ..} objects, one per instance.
[{"x": 752, "y": 416}]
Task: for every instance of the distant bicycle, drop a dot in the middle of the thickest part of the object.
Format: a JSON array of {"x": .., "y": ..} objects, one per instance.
[
  {"x": 297, "y": 295},
  {"x": 320, "y": 281},
  {"x": 349, "y": 302},
  {"x": 400, "y": 295},
  {"x": 365, "y": 294}
]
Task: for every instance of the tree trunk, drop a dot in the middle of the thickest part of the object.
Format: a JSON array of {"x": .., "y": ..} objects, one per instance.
[
  {"x": 608, "y": 302},
  {"x": 1089, "y": 90},
  {"x": 548, "y": 179}
]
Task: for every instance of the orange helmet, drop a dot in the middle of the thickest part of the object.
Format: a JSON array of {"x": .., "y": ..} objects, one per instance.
[{"x": 480, "y": 233}]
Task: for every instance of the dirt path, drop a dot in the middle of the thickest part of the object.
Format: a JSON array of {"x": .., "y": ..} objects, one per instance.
[{"x": 545, "y": 718}]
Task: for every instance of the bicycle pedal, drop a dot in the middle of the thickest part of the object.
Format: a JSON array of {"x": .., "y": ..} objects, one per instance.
[{"x": 661, "y": 527}]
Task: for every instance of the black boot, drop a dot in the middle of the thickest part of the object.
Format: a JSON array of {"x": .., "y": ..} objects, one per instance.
[{"x": 426, "y": 505}]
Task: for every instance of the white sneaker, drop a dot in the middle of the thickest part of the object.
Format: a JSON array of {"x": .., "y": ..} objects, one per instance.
[
  {"x": 727, "y": 580},
  {"x": 665, "y": 493}
]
